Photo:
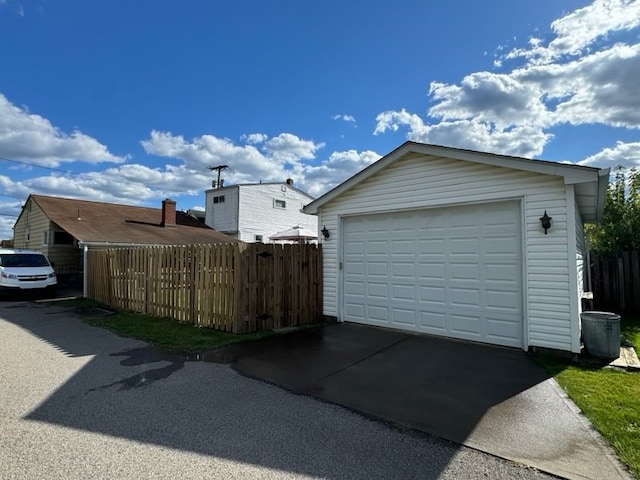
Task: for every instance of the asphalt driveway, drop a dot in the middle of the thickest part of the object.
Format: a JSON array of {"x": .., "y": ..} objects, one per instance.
[
  {"x": 78, "y": 402},
  {"x": 493, "y": 399}
]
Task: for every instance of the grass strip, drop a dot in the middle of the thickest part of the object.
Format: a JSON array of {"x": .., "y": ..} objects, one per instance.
[
  {"x": 610, "y": 398},
  {"x": 164, "y": 333}
]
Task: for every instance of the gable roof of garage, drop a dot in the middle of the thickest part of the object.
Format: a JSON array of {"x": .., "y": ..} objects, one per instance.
[{"x": 590, "y": 182}]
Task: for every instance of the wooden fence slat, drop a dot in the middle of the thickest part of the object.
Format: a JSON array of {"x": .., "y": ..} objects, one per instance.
[
  {"x": 635, "y": 280},
  {"x": 616, "y": 282}
]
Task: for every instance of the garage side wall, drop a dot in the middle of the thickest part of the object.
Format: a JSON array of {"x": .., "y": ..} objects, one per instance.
[
  {"x": 580, "y": 253},
  {"x": 419, "y": 181}
]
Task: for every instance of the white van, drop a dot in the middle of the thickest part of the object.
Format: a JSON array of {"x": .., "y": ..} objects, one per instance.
[{"x": 22, "y": 270}]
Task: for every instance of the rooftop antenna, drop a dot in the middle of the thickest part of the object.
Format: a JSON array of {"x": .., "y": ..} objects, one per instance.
[{"x": 219, "y": 168}]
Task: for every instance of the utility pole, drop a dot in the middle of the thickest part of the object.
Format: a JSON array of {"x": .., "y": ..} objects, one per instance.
[{"x": 219, "y": 168}]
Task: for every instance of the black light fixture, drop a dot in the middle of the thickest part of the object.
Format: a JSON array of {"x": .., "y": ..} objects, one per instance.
[
  {"x": 545, "y": 221},
  {"x": 325, "y": 232}
]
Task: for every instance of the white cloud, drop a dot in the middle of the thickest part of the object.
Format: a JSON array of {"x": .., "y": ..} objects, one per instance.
[
  {"x": 393, "y": 120},
  {"x": 488, "y": 97},
  {"x": 247, "y": 163},
  {"x": 333, "y": 171},
  {"x": 578, "y": 31},
  {"x": 130, "y": 184},
  {"x": 6, "y": 227},
  {"x": 603, "y": 89},
  {"x": 346, "y": 118},
  {"x": 522, "y": 140},
  {"x": 30, "y": 137},
  {"x": 9, "y": 211},
  {"x": 280, "y": 157},
  {"x": 208, "y": 150},
  {"x": 625, "y": 154},
  {"x": 570, "y": 79},
  {"x": 254, "y": 138},
  {"x": 287, "y": 147}
]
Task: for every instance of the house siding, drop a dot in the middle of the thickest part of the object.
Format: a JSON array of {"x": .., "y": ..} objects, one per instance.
[
  {"x": 419, "y": 181},
  {"x": 223, "y": 217},
  {"x": 65, "y": 257},
  {"x": 248, "y": 210},
  {"x": 33, "y": 218}
]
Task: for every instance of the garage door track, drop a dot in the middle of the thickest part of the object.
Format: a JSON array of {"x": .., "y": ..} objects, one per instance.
[{"x": 493, "y": 399}]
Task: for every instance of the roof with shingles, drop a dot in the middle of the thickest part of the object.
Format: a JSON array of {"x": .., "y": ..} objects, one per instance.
[{"x": 98, "y": 222}]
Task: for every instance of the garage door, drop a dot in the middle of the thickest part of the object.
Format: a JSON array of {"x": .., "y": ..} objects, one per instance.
[{"x": 455, "y": 272}]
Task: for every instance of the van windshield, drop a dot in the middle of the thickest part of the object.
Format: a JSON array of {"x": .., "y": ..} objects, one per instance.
[{"x": 23, "y": 260}]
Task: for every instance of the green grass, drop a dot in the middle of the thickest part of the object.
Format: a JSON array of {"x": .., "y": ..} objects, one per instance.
[
  {"x": 609, "y": 398},
  {"x": 166, "y": 334},
  {"x": 630, "y": 327}
]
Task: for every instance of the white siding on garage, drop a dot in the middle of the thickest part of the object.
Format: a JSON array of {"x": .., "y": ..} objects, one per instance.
[
  {"x": 581, "y": 252},
  {"x": 419, "y": 181}
]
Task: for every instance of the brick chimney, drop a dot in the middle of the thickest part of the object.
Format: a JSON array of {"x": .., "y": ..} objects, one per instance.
[{"x": 168, "y": 213}]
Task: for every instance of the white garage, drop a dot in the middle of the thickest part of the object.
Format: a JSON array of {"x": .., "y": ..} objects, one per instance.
[
  {"x": 451, "y": 242},
  {"x": 447, "y": 271}
]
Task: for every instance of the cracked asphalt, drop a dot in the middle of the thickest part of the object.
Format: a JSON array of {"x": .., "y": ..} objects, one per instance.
[{"x": 78, "y": 402}]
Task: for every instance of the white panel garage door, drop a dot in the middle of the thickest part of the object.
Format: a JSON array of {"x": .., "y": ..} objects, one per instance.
[{"x": 454, "y": 272}]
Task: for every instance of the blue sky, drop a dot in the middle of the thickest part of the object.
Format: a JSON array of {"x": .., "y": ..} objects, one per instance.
[{"x": 131, "y": 101}]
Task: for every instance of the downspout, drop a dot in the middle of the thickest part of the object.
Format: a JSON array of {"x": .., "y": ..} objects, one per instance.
[
  {"x": 588, "y": 260},
  {"x": 85, "y": 276}
]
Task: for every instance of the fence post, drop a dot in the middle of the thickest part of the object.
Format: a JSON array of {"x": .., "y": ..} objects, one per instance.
[
  {"x": 635, "y": 281},
  {"x": 620, "y": 282}
]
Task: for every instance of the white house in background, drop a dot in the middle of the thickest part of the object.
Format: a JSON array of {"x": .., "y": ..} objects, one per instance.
[
  {"x": 253, "y": 212},
  {"x": 453, "y": 242}
]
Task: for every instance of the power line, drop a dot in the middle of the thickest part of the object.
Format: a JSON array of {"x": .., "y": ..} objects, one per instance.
[
  {"x": 10, "y": 196},
  {"x": 80, "y": 174}
]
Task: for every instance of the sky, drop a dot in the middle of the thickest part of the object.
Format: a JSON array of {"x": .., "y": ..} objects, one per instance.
[{"x": 131, "y": 101}]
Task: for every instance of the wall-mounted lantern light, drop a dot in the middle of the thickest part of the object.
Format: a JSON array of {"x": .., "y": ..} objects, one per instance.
[
  {"x": 325, "y": 232},
  {"x": 545, "y": 221}
]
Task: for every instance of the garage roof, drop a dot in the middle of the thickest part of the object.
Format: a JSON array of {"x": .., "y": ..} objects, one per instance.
[{"x": 590, "y": 183}]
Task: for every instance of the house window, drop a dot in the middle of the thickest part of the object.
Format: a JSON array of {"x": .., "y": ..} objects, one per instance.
[
  {"x": 27, "y": 232},
  {"x": 219, "y": 199},
  {"x": 279, "y": 203},
  {"x": 259, "y": 238},
  {"x": 62, "y": 238},
  {"x": 45, "y": 238}
]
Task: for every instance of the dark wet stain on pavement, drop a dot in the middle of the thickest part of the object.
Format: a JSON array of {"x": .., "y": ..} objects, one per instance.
[{"x": 143, "y": 356}]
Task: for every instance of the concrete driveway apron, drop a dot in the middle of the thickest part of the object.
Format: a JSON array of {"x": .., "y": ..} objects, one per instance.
[{"x": 492, "y": 399}]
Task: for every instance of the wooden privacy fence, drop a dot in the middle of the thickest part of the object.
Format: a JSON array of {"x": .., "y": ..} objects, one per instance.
[
  {"x": 615, "y": 282},
  {"x": 234, "y": 287}
]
